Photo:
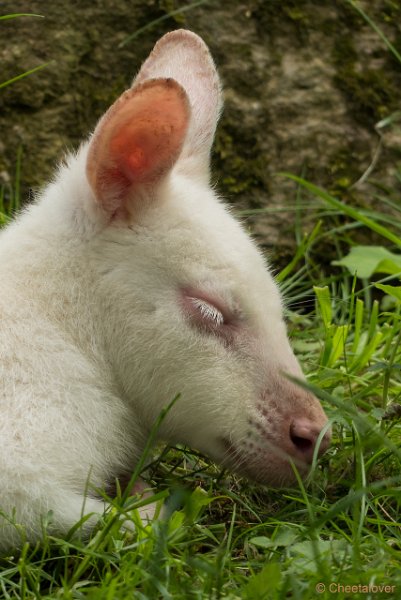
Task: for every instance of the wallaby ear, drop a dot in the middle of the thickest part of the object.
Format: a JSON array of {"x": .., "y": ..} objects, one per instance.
[
  {"x": 183, "y": 56},
  {"x": 136, "y": 143}
]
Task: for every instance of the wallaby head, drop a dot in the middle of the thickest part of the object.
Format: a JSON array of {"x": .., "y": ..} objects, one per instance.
[
  {"x": 193, "y": 308},
  {"x": 128, "y": 282}
]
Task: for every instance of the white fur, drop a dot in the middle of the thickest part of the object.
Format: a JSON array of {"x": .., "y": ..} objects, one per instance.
[{"x": 94, "y": 341}]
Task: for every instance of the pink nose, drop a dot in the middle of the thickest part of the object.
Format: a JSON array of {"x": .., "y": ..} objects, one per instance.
[{"x": 304, "y": 434}]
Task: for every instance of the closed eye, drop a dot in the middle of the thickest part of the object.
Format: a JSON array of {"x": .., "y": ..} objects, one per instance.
[
  {"x": 208, "y": 311},
  {"x": 209, "y": 314}
]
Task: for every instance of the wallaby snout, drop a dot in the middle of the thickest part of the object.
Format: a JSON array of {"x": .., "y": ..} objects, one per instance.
[{"x": 304, "y": 434}]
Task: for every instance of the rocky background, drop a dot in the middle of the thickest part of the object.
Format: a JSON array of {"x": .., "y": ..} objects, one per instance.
[{"x": 305, "y": 84}]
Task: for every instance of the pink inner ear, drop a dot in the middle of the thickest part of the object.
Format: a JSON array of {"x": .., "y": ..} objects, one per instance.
[{"x": 138, "y": 141}]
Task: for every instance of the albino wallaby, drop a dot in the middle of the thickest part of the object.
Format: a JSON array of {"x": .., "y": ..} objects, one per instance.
[{"x": 128, "y": 282}]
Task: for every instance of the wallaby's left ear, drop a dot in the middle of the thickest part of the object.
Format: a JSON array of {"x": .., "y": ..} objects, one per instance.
[
  {"x": 183, "y": 56},
  {"x": 136, "y": 144}
]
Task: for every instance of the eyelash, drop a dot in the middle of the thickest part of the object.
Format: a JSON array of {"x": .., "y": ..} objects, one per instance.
[{"x": 208, "y": 311}]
